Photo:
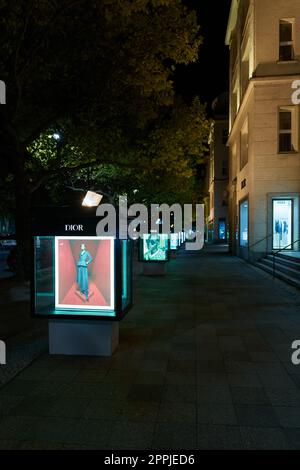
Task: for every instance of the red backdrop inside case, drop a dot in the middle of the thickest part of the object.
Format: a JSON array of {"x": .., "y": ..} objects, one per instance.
[
  {"x": 99, "y": 271},
  {"x": 66, "y": 267}
]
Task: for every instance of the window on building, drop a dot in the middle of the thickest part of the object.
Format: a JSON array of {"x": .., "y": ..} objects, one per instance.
[
  {"x": 212, "y": 167},
  {"x": 287, "y": 128},
  {"x": 244, "y": 6},
  {"x": 233, "y": 106},
  {"x": 224, "y": 136},
  {"x": 233, "y": 162},
  {"x": 212, "y": 200},
  {"x": 245, "y": 67},
  {"x": 286, "y": 44},
  {"x": 233, "y": 54},
  {"x": 244, "y": 145},
  {"x": 235, "y": 97},
  {"x": 245, "y": 74},
  {"x": 244, "y": 211}
]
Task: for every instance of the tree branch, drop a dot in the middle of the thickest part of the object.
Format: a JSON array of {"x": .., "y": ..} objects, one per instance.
[
  {"x": 53, "y": 172},
  {"x": 96, "y": 191}
]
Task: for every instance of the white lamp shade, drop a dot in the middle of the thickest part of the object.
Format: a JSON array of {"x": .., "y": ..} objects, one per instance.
[{"x": 92, "y": 199}]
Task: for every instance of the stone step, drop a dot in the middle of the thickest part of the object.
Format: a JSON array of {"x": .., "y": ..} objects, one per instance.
[
  {"x": 279, "y": 274},
  {"x": 281, "y": 267},
  {"x": 285, "y": 262},
  {"x": 289, "y": 256}
]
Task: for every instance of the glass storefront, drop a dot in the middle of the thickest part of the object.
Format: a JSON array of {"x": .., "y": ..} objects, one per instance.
[
  {"x": 244, "y": 211},
  {"x": 222, "y": 229},
  {"x": 282, "y": 223}
]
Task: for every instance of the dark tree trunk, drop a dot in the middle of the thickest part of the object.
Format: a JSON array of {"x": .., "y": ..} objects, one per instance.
[
  {"x": 12, "y": 159},
  {"x": 23, "y": 216}
]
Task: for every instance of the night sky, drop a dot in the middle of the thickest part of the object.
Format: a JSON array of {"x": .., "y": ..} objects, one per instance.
[{"x": 209, "y": 77}]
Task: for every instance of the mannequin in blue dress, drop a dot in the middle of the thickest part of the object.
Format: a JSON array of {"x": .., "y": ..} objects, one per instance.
[{"x": 82, "y": 271}]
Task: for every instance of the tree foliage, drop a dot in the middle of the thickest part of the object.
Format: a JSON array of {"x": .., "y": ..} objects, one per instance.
[
  {"x": 158, "y": 165},
  {"x": 110, "y": 62},
  {"x": 101, "y": 73}
]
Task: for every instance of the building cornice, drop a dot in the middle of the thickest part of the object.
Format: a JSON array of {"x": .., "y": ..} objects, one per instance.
[{"x": 257, "y": 81}]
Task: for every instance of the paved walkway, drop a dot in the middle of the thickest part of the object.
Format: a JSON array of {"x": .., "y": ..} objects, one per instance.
[
  {"x": 26, "y": 337},
  {"x": 15, "y": 309},
  {"x": 203, "y": 363}
]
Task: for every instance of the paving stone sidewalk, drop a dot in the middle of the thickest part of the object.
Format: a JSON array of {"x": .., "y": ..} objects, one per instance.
[
  {"x": 25, "y": 337},
  {"x": 204, "y": 362}
]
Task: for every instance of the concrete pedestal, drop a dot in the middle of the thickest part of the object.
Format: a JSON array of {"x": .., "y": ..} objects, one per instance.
[
  {"x": 83, "y": 338},
  {"x": 154, "y": 269}
]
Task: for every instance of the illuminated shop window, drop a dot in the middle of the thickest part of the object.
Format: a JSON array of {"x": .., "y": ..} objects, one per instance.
[
  {"x": 282, "y": 223},
  {"x": 244, "y": 212},
  {"x": 222, "y": 229}
]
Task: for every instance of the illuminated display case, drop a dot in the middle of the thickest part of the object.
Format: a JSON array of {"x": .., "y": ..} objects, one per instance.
[
  {"x": 76, "y": 274},
  {"x": 174, "y": 241},
  {"x": 154, "y": 247}
]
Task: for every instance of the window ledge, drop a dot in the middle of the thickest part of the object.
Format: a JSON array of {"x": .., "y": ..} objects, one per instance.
[
  {"x": 287, "y": 61},
  {"x": 291, "y": 152}
]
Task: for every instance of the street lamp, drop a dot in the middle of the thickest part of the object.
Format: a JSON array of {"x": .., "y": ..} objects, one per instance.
[{"x": 92, "y": 199}]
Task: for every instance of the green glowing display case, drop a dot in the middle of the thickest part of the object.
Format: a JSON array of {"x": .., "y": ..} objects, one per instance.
[
  {"x": 154, "y": 247},
  {"x": 174, "y": 241}
]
